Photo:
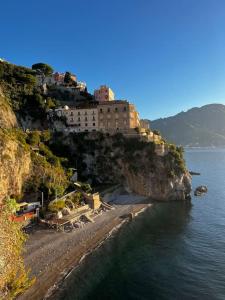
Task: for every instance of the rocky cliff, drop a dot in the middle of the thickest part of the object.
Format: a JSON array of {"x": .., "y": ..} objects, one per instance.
[
  {"x": 7, "y": 116},
  {"x": 158, "y": 186},
  {"x": 131, "y": 162},
  {"x": 15, "y": 165},
  {"x": 15, "y": 161}
]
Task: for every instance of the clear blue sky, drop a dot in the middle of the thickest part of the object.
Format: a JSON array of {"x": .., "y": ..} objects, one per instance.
[{"x": 163, "y": 55}]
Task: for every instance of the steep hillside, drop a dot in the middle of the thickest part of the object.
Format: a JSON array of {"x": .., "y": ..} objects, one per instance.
[
  {"x": 115, "y": 159},
  {"x": 25, "y": 171},
  {"x": 7, "y": 116},
  {"x": 204, "y": 126},
  {"x": 20, "y": 92},
  {"x": 15, "y": 165}
]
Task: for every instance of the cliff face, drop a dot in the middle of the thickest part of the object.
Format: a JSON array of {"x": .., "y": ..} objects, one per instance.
[
  {"x": 131, "y": 162},
  {"x": 7, "y": 116},
  {"x": 15, "y": 161},
  {"x": 157, "y": 177},
  {"x": 15, "y": 166},
  {"x": 158, "y": 186}
]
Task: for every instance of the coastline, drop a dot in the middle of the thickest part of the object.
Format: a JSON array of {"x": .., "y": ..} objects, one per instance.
[{"x": 52, "y": 256}]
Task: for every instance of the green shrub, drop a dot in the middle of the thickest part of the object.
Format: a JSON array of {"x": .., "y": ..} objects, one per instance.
[
  {"x": 34, "y": 138},
  {"x": 86, "y": 187},
  {"x": 176, "y": 159},
  {"x": 56, "y": 205},
  {"x": 76, "y": 198},
  {"x": 45, "y": 135}
]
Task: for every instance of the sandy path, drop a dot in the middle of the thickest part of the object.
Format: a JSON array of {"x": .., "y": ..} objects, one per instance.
[{"x": 50, "y": 254}]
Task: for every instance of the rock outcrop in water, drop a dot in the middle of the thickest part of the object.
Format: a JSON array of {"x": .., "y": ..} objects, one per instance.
[{"x": 200, "y": 190}]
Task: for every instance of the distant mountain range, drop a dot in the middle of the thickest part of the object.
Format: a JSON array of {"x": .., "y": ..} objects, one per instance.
[{"x": 203, "y": 126}]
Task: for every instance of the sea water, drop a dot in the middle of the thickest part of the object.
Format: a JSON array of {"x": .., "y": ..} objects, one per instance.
[{"x": 172, "y": 251}]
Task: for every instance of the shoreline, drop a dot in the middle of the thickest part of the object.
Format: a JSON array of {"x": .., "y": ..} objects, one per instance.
[
  {"x": 53, "y": 290},
  {"x": 52, "y": 256}
]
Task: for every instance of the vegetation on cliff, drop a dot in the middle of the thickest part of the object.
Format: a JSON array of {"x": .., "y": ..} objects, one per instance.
[
  {"x": 45, "y": 174},
  {"x": 100, "y": 157},
  {"x": 25, "y": 98},
  {"x": 44, "y": 68},
  {"x": 14, "y": 279}
]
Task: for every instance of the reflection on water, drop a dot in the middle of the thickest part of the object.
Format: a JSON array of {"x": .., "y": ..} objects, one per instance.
[
  {"x": 121, "y": 261},
  {"x": 172, "y": 251}
]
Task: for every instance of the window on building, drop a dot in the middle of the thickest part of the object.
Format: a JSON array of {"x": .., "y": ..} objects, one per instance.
[
  {"x": 101, "y": 110},
  {"x": 124, "y": 109},
  {"x": 71, "y": 119},
  {"x": 93, "y": 113},
  {"x": 93, "y": 124},
  {"x": 71, "y": 113},
  {"x": 79, "y": 124},
  {"x": 116, "y": 109},
  {"x": 85, "y": 118},
  {"x": 93, "y": 118},
  {"x": 86, "y": 124},
  {"x": 108, "y": 109},
  {"x": 79, "y": 119},
  {"x": 78, "y": 113},
  {"x": 85, "y": 113}
]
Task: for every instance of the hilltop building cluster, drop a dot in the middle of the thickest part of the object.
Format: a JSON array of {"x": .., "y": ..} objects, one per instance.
[
  {"x": 105, "y": 116},
  {"x": 60, "y": 80},
  {"x": 102, "y": 112}
]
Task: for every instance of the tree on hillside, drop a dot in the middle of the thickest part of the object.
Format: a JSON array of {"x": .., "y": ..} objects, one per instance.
[
  {"x": 67, "y": 78},
  {"x": 44, "y": 68}
]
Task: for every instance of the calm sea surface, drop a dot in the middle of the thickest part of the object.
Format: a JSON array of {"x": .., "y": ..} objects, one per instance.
[{"x": 171, "y": 251}]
